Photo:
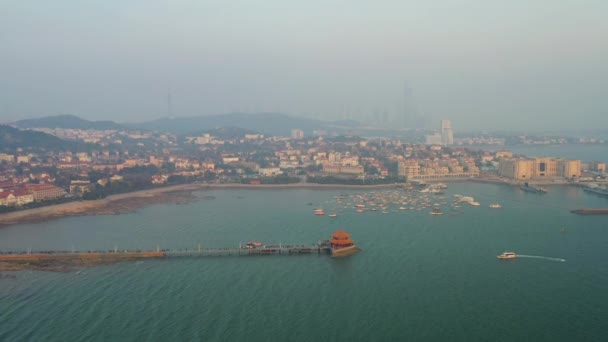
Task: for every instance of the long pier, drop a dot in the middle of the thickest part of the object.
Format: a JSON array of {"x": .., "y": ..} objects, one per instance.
[
  {"x": 123, "y": 255},
  {"x": 243, "y": 251}
]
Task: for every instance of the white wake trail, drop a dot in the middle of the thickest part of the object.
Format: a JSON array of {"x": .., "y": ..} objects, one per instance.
[{"x": 541, "y": 257}]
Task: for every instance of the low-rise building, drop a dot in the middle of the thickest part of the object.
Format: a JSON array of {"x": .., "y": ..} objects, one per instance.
[
  {"x": 598, "y": 166},
  {"x": 409, "y": 169},
  {"x": 43, "y": 192},
  {"x": 159, "y": 179},
  {"x": 269, "y": 171},
  {"x": 80, "y": 187},
  {"x": 15, "y": 197},
  {"x": 7, "y": 157}
]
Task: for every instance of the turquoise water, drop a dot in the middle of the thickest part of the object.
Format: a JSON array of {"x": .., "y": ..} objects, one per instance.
[{"x": 419, "y": 277}]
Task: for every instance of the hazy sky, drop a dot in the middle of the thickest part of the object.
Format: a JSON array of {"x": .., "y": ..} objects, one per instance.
[{"x": 482, "y": 64}]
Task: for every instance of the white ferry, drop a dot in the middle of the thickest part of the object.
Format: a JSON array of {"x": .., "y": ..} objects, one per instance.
[{"x": 507, "y": 255}]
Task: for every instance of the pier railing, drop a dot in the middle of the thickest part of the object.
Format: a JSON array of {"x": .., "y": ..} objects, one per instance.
[{"x": 116, "y": 254}]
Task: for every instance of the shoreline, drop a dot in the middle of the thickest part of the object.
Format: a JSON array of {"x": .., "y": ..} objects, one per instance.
[
  {"x": 176, "y": 194},
  {"x": 131, "y": 201}
]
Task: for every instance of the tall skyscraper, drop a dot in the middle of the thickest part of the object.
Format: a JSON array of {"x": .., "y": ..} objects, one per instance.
[
  {"x": 447, "y": 135},
  {"x": 405, "y": 115}
]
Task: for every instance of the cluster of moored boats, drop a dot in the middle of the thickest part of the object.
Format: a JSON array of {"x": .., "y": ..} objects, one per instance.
[{"x": 397, "y": 200}]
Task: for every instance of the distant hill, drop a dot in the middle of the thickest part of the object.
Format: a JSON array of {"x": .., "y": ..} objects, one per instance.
[
  {"x": 68, "y": 121},
  {"x": 265, "y": 123},
  {"x": 12, "y": 138}
]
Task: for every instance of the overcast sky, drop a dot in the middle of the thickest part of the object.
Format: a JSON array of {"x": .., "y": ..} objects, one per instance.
[{"x": 483, "y": 64}]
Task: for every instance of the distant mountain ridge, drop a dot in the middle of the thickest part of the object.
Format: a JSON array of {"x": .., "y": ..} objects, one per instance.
[
  {"x": 265, "y": 123},
  {"x": 68, "y": 121}
]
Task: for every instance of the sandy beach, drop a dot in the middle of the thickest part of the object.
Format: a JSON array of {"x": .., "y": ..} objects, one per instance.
[{"x": 128, "y": 202}]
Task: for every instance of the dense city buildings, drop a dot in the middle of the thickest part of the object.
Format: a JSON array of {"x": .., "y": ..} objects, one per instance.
[{"x": 122, "y": 161}]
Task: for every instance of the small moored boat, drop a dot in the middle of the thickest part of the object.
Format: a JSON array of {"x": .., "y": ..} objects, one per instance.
[{"x": 436, "y": 211}]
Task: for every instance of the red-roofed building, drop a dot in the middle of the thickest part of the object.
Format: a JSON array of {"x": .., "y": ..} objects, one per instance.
[
  {"x": 6, "y": 186},
  {"x": 16, "y": 197},
  {"x": 7, "y": 198}
]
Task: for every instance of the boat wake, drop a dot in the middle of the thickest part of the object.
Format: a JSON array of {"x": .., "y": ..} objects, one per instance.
[{"x": 541, "y": 257}]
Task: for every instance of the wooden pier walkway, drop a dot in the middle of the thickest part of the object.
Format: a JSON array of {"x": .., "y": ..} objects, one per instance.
[
  {"x": 120, "y": 255},
  {"x": 242, "y": 251}
]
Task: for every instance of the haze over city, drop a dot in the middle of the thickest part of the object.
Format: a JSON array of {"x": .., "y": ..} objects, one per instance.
[{"x": 483, "y": 65}]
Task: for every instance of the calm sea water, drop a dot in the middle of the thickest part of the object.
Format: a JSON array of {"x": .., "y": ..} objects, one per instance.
[{"x": 418, "y": 278}]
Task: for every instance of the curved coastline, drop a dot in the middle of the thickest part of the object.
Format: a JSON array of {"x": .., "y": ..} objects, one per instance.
[
  {"x": 128, "y": 202},
  {"x": 179, "y": 194}
]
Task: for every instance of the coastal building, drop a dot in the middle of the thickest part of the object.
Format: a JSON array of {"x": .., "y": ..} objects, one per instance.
[
  {"x": 43, "y": 192},
  {"x": 80, "y": 187},
  {"x": 15, "y": 197},
  {"x": 569, "y": 168},
  {"x": 350, "y": 160},
  {"x": 159, "y": 179},
  {"x": 332, "y": 168},
  {"x": 530, "y": 168},
  {"x": 352, "y": 169},
  {"x": 269, "y": 171},
  {"x": 598, "y": 166},
  {"x": 408, "y": 169}
]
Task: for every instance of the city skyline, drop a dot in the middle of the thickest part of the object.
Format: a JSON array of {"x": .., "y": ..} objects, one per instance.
[{"x": 115, "y": 61}]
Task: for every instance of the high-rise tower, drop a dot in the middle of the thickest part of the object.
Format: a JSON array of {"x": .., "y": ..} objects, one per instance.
[{"x": 447, "y": 135}]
